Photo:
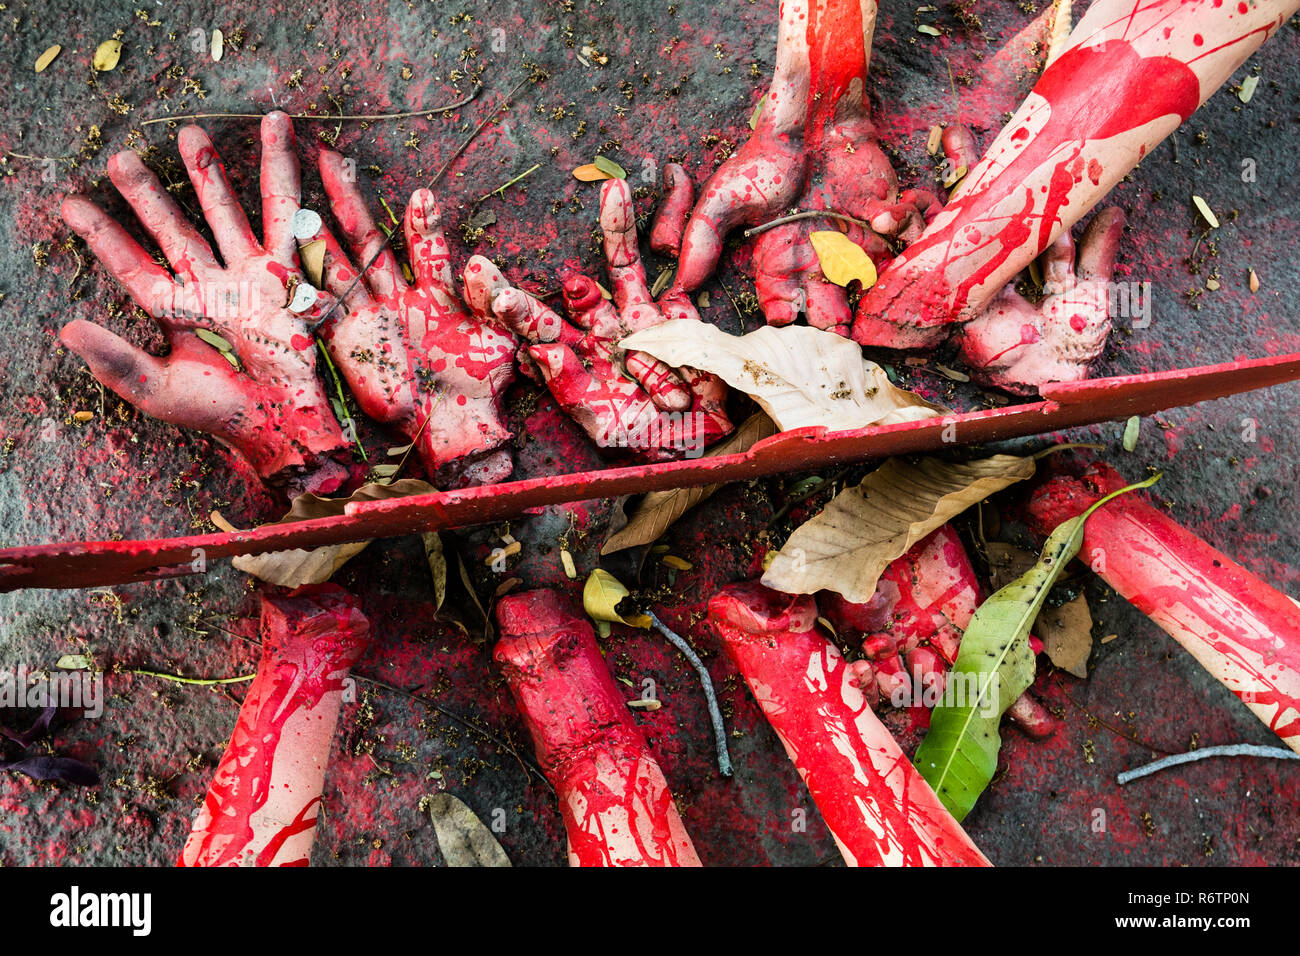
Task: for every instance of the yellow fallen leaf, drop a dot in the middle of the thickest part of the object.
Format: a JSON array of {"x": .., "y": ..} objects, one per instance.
[
  {"x": 46, "y": 58},
  {"x": 842, "y": 260},
  {"x": 1206, "y": 212},
  {"x": 107, "y": 55},
  {"x": 600, "y": 597},
  {"x": 590, "y": 173}
]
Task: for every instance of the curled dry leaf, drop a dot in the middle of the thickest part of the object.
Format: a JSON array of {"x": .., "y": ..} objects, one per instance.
[
  {"x": 600, "y": 597},
  {"x": 847, "y": 547},
  {"x": 801, "y": 376},
  {"x": 297, "y": 567},
  {"x": 437, "y": 566},
  {"x": 462, "y": 837},
  {"x": 659, "y": 509}
]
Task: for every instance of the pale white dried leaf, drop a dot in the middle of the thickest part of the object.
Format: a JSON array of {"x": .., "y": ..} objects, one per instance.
[
  {"x": 463, "y": 838},
  {"x": 847, "y": 547},
  {"x": 801, "y": 376}
]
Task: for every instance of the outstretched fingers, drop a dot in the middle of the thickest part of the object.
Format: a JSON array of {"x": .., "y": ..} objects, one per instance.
[
  {"x": 187, "y": 251},
  {"x": 132, "y": 373},
  {"x": 618, "y": 223},
  {"x": 426, "y": 245},
  {"x": 221, "y": 206},
  {"x": 281, "y": 184},
  {"x": 148, "y": 283},
  {"x": 359, "y": 229}
]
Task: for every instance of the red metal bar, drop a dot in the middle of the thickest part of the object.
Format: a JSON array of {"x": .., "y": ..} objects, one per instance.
[{"x": 99, "y": 563}]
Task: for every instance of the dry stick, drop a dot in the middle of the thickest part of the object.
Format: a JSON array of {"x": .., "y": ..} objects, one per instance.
[
  {"x": 433, "y": 182},
  {"x": 314, "y": 116},
  {"x": 1224, "y": 750},
  {"x": 468, "y": 724},
  {"x": 715, "y": 715},
  {"x": 806, "y": 214}
]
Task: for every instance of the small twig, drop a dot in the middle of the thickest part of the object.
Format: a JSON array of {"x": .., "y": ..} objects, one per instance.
[
  {"x": 500, "y": 190},
  {"x": 383, "y": 246},
  {"x": 1224, "y": 750},
  {"x": 1066, "y": 446},
  {"x": 805, "y": 495},
  {"x": 806, "y": 214},
  {"x": 199, "y": 681},
  {"x": 715, "y": 715},
  {"x": 314, "y": 116},
  {"x": 339, "y": 394},
  {"x": 468, "y": 724}
]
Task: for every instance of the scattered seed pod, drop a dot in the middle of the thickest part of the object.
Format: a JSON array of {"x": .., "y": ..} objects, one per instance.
[
  {"x": 46, "y": 58},
  {"x": 107, "y": 56}
]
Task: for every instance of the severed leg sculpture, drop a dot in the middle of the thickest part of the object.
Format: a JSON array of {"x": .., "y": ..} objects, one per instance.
[
  {"x": 262, "y": 806},
  {"x": 1241, "y": 630},
  {"x": 1129, "y": 74},
  {"x": 614, "y": 799},
  {"x": 878, "y": 807}
]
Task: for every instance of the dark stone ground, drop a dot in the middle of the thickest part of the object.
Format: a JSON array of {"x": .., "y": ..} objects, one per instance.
[{"x": 681, "y": 81}]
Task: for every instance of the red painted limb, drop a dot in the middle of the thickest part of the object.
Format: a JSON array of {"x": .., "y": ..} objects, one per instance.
[
  {"x": 674, "y": 208},
  {"x": 911, "y": 629},
  {"x": 272, "y": 409},
  {"x": 622, "y": 400},
  {"x": 614, "y": 799},
  {"x": 262, "y": 806},
  {"x": 1244, "y": 632},
  {"x": 413, "y": 353},
  {"x": 878, "y": 807},
  {"x": 814, "y": 148},
  {"x": 1130, "y": 73}
]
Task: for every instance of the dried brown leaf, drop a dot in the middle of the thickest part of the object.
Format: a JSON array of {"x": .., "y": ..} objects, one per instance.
[
  {"x": 437, "y": 566},
  {"x": 1066, "y": 633},
  {"x": 659, "y": 509},
  {"x": 847, "y": 547}
]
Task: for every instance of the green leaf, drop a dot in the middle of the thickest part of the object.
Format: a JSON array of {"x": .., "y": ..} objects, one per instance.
[
  {"x": 758, "y": 111},
  {"x": 994, "y": 666},
  {"x": 213, "y": 339},
  {"x": 73, "y": 662},
  {"x": 610, "y": 168}
]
